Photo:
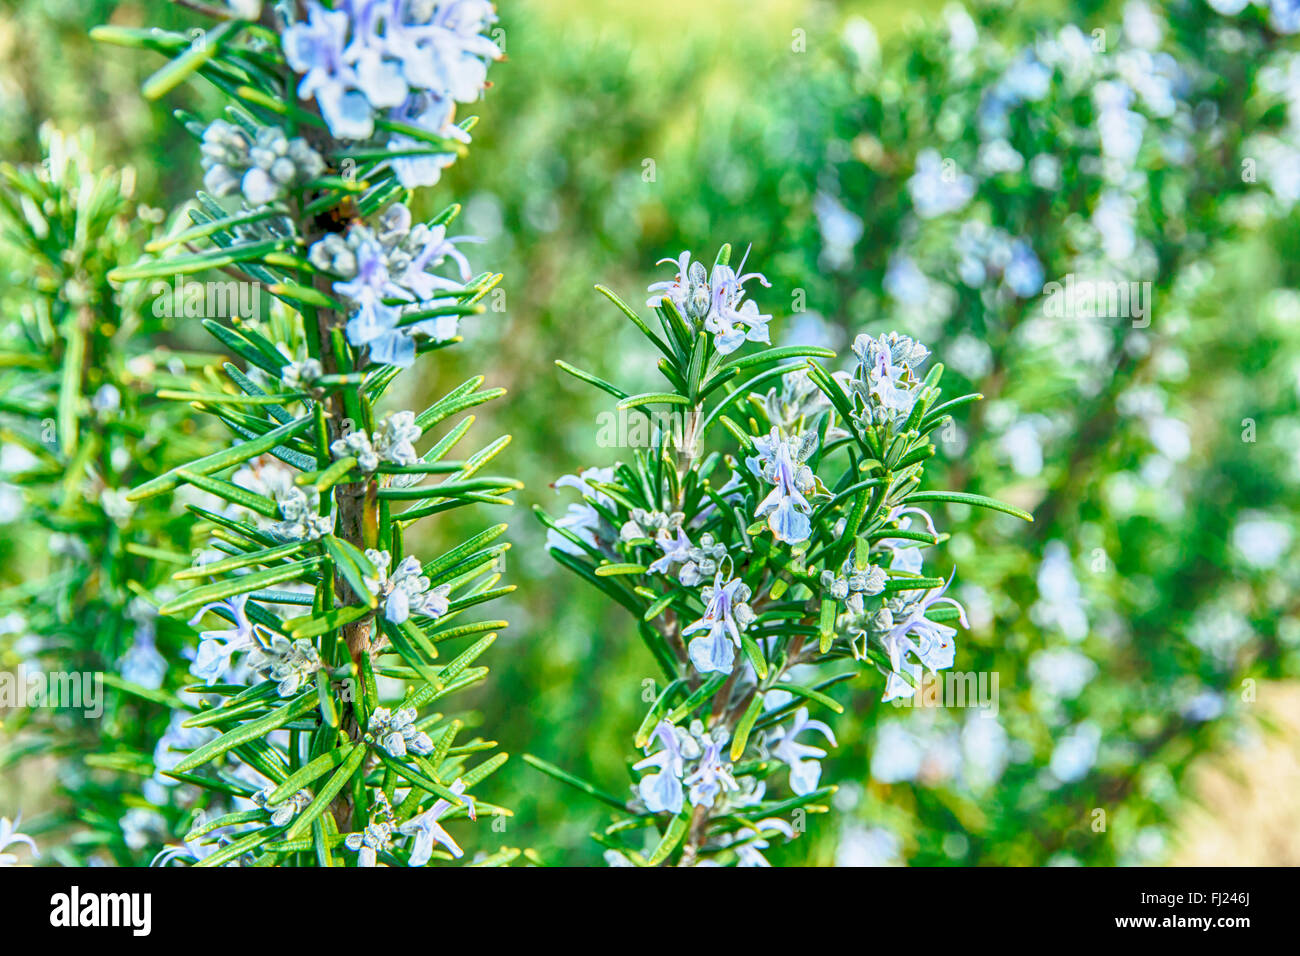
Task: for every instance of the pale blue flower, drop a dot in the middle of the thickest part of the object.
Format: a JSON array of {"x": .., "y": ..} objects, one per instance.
[
  {"x": 897, "y": 753},
  {"x": 840, "y": 231},
  {"x": 732, "y": 319},
  {"x": 191, "y": 852},
  {"x": 712, "y": 776},
  {"x": 140, "y": 826},
  {"x": 1114, "y": 218},
  {"x": 316, "y": 48},
  {"x": 1027, "y": 79},
  {"x": 1060, "y": 597},
  {"x": 688, "y": 289},
  {"x": 906, "y": 555},
  {"x": 142, "y": 663},
  {"x": 1207, "y": 705},
  {"x": 886, "y": 377},
  {"x": 750, "y": 841},
  {"x": 1118, "y": 126},
  {"x": 177, "y": 741},
  {"x": 582, "y": 520},
  {"x": 216, "y": 648},
  {"x": 447, "y": 53},
  {"x": 1024, "y": 273},
  {"x": 662, "y": 791},
  {"x": 374, "y": 324},
  {"x": 905, "y": 281},
  {"x": 886, "y": 384},
  {"x": 378, "y": 70},
  {"x": 715, "y": 302},
  {"x": 1076, "y": 752},
  {"x": 780, "y": 461},
  {"x": 386, "y": 273},
  {"x": 427, "y": 829},
  {"x": 431, "y": 248},
  {"x": 367, "y": 56},
  {"x": 726, "y": 615},
  {"x": 429, "y": 112},
  {"x": 907, "y": 558},
  {"x": 861, "y": 846},
  {"x": 803, "y": 760},
  {"x": 936, "y": 187},
  {"x": 786, "y": 508},
  {"x": 1228, "y": 8},
  {"x": 1284, "y": 15},
  {"x": 1061, "y": 673},
  {"x": 927, "y": 641},
  {"x": 675, "y": 551}
]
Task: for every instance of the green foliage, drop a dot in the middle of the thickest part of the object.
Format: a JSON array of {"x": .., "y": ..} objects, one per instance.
[{"x": 82, "y": 361}]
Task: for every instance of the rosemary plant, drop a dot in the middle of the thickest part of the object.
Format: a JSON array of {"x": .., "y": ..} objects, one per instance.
[
  {"x": 771, "y": 529},
  {"x": 311, "y": 719},
  {"x": 79, "y": 425}
]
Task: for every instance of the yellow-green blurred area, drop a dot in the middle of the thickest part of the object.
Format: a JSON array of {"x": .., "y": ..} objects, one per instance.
[{"x": 618, "y": 133}]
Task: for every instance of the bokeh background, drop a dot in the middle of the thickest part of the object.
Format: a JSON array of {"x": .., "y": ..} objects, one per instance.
[{"x": 887, "y": 165}]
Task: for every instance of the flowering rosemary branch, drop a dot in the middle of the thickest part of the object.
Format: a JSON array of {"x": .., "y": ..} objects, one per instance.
[
  {"x": 315, "y": 604},
  {"x": 807, "y": 553}
]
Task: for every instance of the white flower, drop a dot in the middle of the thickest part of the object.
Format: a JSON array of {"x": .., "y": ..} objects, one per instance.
[
  {"x": 406, "y": 590},
  {"x": 291, "y": 664},
  {"x": 714, "y": 302},
  {"x": 300, "y": 509},
  {"x": 212, "y": 662},
  {"x": 427, "y": 829},
  {"x": 284, "y": 811},
  {"x": 9, "y": 836},
  {"x": 394, "y": 440},
  {"x": 803, "y": 760},
  {"x": 662, "y": 791},
  {"x": 357, "y": 444},
  {"x": 582, "y": 520},
  {"x": 396, "y": 732}
]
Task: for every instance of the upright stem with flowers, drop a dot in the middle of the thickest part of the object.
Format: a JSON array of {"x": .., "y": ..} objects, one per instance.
[
  {"x": 335, "y": 113},
  {"x": 754, "y": 557}
]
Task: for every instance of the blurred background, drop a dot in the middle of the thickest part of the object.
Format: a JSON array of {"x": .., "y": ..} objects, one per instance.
[{"x": 926, "y": 168}]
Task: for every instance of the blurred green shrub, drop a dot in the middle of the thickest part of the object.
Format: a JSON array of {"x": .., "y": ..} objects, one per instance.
[{"x": 1159, "y": 460}]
